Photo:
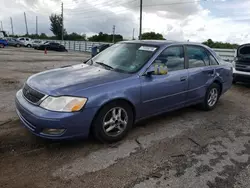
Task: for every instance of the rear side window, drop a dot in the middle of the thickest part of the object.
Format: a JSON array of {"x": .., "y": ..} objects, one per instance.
[
  {"x": 197, "y": 57},
  {"x": 172, "y": 57},
  {"x": 213, "y": 60},
  {"x": 21, "y": 39}
]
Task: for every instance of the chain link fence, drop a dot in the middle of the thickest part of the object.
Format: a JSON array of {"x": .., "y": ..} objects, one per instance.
[{"x": 86, "y": 46}]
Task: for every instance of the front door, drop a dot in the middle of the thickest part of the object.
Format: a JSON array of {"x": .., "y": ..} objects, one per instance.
[{"x": 163, "y": 92}]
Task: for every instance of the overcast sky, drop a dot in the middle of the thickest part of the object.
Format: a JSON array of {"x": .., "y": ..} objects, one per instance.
[{"x": 220, "y": 20}]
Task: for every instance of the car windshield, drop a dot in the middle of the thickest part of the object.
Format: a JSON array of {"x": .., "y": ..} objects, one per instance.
[
  {"x": 244, "y": 51},
  {"x": 125, "y": 57}
]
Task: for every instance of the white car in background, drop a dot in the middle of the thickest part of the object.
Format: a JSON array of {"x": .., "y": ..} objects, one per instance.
[
  {"x": 27, "y": 42},
  {"x": 241, "y": 64},
  {"x": 37, "y": 43}
]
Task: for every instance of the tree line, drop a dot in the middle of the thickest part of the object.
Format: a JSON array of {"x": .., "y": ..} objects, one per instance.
[{"x": 56, "y": 28}]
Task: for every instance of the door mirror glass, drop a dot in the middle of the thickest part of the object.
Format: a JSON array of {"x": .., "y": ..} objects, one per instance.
[{"x": 157, "y": 69}]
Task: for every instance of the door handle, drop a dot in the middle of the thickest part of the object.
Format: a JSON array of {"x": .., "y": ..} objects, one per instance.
[
  {"x": 209, "y": 72},
  {"x": 183, "y": 78}
]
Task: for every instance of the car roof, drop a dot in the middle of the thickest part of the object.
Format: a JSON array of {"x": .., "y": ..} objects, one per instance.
[{"x": 162, "y": 42}]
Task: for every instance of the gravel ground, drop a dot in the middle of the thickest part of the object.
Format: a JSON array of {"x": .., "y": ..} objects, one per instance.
[{"x": 182, "y": 149}]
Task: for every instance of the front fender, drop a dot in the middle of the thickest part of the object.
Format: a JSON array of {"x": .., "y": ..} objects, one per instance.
[{"x": 127, "y": 89}]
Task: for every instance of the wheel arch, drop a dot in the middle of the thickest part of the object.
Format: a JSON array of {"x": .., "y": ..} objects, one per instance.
[
  {"x": 112, "y": 101},
  {"x": 220, "y": 84}
]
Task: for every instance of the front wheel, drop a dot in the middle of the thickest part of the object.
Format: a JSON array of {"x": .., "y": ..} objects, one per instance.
[
  {"x": 29, "y": 46},
  {"x": 211, "y": 98},
  {"x": 113, "y": 122}
]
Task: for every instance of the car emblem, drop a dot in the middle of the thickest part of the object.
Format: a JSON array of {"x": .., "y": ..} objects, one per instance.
[{"x": 27, "y": 92}]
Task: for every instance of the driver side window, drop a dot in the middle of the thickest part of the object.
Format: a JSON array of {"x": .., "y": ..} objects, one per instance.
[{"x": 171, "y": 59}]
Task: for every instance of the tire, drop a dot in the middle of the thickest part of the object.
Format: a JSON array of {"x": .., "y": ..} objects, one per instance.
[
  {"x": 18, "y": 46},
  {"x": 234, "y": 81},
  {"x": 29, "y": 46},
  {"x": 1, "y": 46},
  {"x": 206, "y": 105},
  {"x": 102, "y": 133}
]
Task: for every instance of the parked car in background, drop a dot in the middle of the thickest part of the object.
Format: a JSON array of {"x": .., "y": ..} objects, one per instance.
[
  {"x": 241, "y": 64},
  {"x": 27, "y": 42},
  {"x": 37, "y": 43},
  {"x": 14, "y": 42},
  {"x": 3, "y": 43},
  {"x": 52, "y": 46},
  {"x": 123, "y": 84},
  {"x": 97, "y": 49}
]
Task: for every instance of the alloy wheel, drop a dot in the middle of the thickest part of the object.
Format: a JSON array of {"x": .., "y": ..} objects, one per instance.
[
  {"x": 115, "y": 121},
  {"x": 212, "y": 97}
]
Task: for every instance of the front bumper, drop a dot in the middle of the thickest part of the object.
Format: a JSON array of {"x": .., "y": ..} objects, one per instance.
[
  {"x": 37, "y": 119},
  {"x": 241, "y": 76}
]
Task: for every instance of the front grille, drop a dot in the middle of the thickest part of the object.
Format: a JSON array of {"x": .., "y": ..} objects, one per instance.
[
  {"x": 242, "y": 67},
  {"x": 31, "y": 94},
  {"x": 244, "y": 70}
]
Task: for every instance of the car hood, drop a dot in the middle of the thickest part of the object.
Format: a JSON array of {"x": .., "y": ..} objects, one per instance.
[{"x": 69, "y": 80}]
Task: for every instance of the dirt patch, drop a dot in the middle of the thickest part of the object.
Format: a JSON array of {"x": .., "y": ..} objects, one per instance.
[{"x": 8, "y": 83}]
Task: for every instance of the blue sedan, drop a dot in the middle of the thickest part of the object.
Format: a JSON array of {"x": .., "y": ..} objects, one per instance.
[{"x": 123, "y": 84}]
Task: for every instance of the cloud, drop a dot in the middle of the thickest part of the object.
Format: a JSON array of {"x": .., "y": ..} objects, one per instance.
[{"x": 219, "y": 20}]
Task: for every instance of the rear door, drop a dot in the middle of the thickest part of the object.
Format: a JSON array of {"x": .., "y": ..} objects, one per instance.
[{"x": 200, "y": 74}]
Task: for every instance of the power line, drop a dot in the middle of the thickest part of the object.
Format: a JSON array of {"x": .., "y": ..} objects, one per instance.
[
  {"x": 176, "y": 3},
  {"x": 82, "y": 11},
  {"x": 107, "y": 15},
  {"x": 124, "y": 11},
  {"x": 94, "y": 7}
]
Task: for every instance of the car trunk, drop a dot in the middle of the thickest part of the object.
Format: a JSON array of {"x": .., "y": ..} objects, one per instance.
[{"x": 243, "y": 58}]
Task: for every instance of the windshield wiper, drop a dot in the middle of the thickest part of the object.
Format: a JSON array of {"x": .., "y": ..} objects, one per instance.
[{"x": 104, "y": 65}]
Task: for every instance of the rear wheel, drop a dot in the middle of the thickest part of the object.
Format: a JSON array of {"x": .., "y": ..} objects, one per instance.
[
  {"x": 113, "y": 122},
  {"x": 18, "y": 45},
  {"x": 29, "y": 46},
  {"x": 1, "y": 46},
  {"x": 212, "y": 96}
]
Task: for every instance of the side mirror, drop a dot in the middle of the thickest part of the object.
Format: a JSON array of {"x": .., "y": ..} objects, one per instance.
[
  {"x": 84, "y": 62},
  {"x": 150, "y": 71},
  {"x": 156, "y": 69}
]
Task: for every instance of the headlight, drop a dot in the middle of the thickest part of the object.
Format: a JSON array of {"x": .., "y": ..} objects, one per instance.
[{"x": 63, "y": 104}]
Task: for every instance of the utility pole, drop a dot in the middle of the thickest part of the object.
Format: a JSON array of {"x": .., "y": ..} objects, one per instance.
[
  {"x": 62, "y": 22},
  {"x": 25, "y": 19},
  {"x": 11, "y": 23},
  {"x": 113, "y": 33},
  {"x": 140, "y": 31},
  {"x": 133, "y": 37},
  {"x": 36, "y": 25},
  {"x": 2, "y": 25}
]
